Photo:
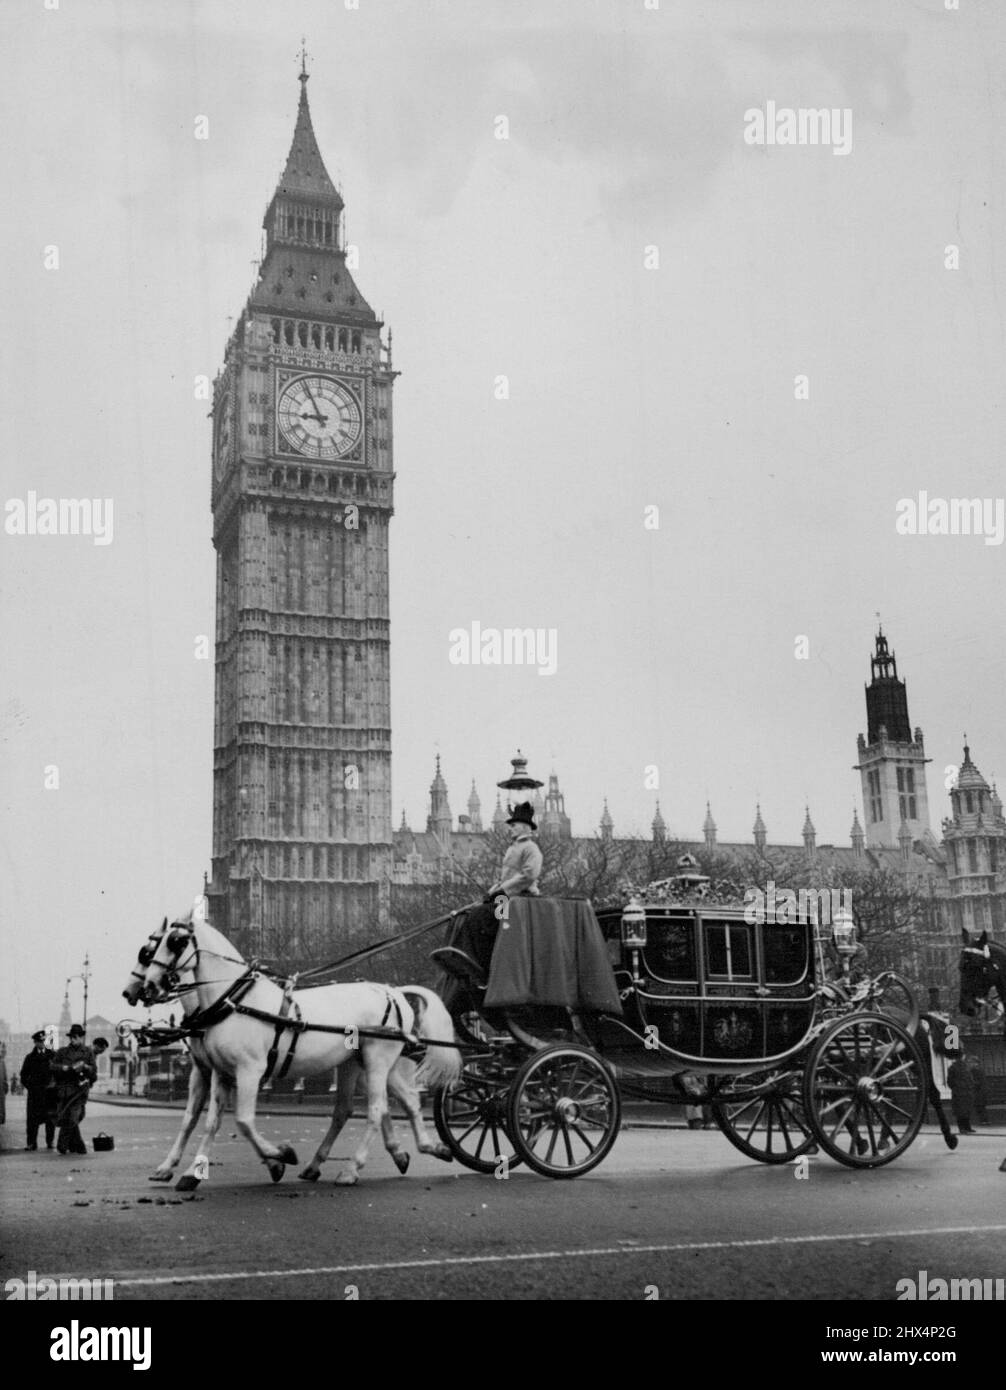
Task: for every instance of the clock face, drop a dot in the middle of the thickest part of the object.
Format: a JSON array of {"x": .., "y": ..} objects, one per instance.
[
  {"x": 224, "y": 434},
  {"x": 319, "y": 417}
]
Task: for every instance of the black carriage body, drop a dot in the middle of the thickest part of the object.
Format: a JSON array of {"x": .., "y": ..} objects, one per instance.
[{"x": 720, "y": 995}]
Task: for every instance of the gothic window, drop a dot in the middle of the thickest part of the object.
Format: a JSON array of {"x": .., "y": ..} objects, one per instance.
[
  {"x": 302, "y": 334},
  {"x": 993, "y": 856},
  {"x": 305, "y": 479},
  {"x": 356, "y": 342},
  {"x": 300, "y": 226},
  {"x": 343, "y": 340},
  {"x": 906, "y": 793},
  {"x": 316, "y": 335},
  {"x": 277, "y": 477},
  {"x": 969, "y": 802},
  {"x": 276, "y": 330},
  {"x": 333, "y": 483},
  {"x": 876, "y": 801},
  {"x": 973, "y": 856},
  {"x": 330, "y": 337},
  {"x": 288, "y": 332}
]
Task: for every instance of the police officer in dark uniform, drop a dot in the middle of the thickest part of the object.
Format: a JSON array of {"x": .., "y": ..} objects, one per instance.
[
  {"x": 73, "y": 1070},
  {"x": 36, "y": 1078}
]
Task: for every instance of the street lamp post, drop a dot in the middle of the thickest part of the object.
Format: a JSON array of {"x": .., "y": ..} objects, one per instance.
[{"x": 84, "y": 975}]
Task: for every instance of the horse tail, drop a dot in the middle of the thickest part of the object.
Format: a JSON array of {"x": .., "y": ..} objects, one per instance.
[{"x": 441, "y": 1065}]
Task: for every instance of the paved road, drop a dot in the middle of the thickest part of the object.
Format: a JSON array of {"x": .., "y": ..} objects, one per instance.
[{"x": 674, "y": 1209}]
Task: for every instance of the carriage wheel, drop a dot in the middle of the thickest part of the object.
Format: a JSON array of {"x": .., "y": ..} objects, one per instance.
[
  {"x": 864, "y": 1090},
  {"x": 763, "y": 1116},
  {"x": 470, "y": 1116},
  {"x": 895, "y": 998},
  {"x": 563, "y": 1111}
]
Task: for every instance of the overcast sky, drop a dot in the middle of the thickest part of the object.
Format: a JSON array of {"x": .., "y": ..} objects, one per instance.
[{"x": 630, "y": 387}]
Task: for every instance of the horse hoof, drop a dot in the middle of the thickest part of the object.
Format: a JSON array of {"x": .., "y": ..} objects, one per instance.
[
  {"x": 287, "y": 1154},
  {"x": 441, "y": 1151},
  {"x": 347, "y": 1179},
  {"x": 953, "y": 1141},
  {"x": 162, "y": 1175},
  {"x": 186, "y": 1183},
  {"x": 276, "y": 1168},
  {"x": 309, "y": 1174},
  {"x": 401, "y": 1160}
]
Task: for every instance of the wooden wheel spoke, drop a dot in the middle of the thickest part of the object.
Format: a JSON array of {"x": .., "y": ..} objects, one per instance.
[{"x": 585, "y": 1138}]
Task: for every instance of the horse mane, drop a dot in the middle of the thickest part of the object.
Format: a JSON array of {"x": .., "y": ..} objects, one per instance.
[{"x": 209, "y": 937}]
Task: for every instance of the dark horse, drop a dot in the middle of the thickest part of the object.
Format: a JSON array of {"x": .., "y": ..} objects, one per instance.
[{"x": 983, "y": 973}]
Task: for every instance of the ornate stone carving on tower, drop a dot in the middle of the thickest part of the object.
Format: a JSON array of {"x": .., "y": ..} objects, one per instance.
[
  {"x": 975, "y": 838},
  {"x": 440, "y": 821},
  {"x": 892, "y": 760},
  {"x": 302, "y": 499}
]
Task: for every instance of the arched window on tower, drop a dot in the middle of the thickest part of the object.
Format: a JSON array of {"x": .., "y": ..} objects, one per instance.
[
  {"x": 276, "y": 330},
  {"x": 330, "y": 339},
  {"x": 302, "y": 334},
  {"x": 316, "y": 335},
  {"x": 343, "y": 340},
  {"x": 288, "y": 332},
  {"x": 356, "y": 342}
]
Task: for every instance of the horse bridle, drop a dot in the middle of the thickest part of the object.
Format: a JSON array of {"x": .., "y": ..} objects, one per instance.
[{"x": 992, "y": 976}]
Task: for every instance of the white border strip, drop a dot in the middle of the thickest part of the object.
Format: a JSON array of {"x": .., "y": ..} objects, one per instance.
[{"x": 599, "y": 1252}]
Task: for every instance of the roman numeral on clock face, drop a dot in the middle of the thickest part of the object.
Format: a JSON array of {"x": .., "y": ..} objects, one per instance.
[{"x": 319, "y": 417}]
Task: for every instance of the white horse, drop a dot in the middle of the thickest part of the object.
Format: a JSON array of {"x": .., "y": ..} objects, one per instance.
[
  {"x": 345, "y": 1029},
  {"x": 203, "y": 1080}
]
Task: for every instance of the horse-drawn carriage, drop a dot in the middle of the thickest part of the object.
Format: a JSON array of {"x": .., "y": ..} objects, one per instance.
[{"x": 579, "y": 1011}]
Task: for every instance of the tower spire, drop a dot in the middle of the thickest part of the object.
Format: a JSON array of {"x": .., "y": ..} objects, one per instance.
[{"x": 304, "y": 74}]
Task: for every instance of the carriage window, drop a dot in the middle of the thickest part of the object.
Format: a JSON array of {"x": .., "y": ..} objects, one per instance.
[
  {"x": 785, "y": 954},
  {"x": 728, "y": 949},
  {"x": 670, "y": 951}
]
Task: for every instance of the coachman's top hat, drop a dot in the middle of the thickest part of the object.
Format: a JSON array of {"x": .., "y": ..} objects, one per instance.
[
  {"x": 522, "y": 815},
  {"x": 76, "y": 1031}
]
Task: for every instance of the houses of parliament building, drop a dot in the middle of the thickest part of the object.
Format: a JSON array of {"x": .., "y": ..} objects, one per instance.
[{"x": 302, "y": 488}]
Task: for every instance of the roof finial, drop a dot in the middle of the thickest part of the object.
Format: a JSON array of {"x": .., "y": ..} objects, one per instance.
[{"x": 304, "y": 74}]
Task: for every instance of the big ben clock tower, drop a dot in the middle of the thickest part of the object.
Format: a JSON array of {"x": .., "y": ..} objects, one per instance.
[{"x": 302, "y": 499}]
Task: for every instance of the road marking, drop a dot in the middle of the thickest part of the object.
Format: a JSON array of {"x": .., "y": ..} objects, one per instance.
[{"x": 680, "y": 1247}]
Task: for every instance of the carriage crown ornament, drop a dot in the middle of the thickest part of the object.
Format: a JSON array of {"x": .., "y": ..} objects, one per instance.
[{"x": 519, "y": 786}]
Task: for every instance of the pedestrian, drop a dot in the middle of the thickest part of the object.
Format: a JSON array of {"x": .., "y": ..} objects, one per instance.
[
  {"x": 36, "y": 1077},
  {"x": 962, "y": 1091},
  {"x": 74, "y": 1069},
  {"x": 3, "y": 1083},
  {"x": 981, "y": 1093}
]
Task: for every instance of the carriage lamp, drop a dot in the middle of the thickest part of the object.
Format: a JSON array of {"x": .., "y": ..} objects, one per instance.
[
  {"x": 520, "y": 785},
  {"x": 843, "y": 933},
  {"x": 634, "y": 924}
]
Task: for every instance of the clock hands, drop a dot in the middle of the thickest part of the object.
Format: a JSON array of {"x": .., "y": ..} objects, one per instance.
[{"x": 322, "y": 419}]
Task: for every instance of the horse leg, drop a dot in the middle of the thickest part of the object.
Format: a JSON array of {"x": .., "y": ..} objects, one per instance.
[
  {"x": 378, "y": 1059},
  {"x": 399, "y": 1156},
  {"x": 402, "y": 1085},
  {"x": 342, "y": 1110},
  {"x": 199, "y": 1086},
  {"x": 199, "y": 1169},
  {"x": 274, "y": 1157}
]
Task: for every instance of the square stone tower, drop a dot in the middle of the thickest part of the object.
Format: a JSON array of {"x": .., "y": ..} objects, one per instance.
[
  {"x": 302, "y": 499},
  {"x": 892, "y": 759}
]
